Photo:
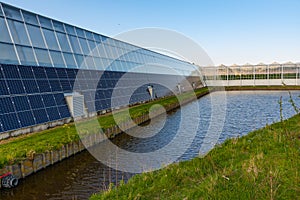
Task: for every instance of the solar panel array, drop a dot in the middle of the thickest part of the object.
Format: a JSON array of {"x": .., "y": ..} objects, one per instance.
[
  {"x": 42, "y": 60},
  {"x": 35, "y": 95}
]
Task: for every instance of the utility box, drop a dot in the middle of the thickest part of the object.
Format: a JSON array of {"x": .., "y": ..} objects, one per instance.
[{"x": 76, "y": 104}]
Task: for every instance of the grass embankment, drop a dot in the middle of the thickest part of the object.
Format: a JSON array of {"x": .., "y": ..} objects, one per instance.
[
  {"x": 15, "y": 149},
  {"x": 265, "y": 164}
]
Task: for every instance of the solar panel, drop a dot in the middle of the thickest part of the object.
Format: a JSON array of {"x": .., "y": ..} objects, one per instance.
[
  {"x": 40, "y": 116},
  {"x": 15, "y": 87},
  {"x": 53, "y": 113},
  {"x": 21, "y": 103},
  {"x": 26, "y": 72},
  {"x": 36, "y": 101},
  {"x": 10, "y": 121},
  {"x": 64, "y": 111},
  {"x": 11, "y": 72},
  {"x": 3, "y": 88},
  {"x": 6, "y": 105},
  {"x": 31, "y": 86},
  {"x": 26, "y": 118}
]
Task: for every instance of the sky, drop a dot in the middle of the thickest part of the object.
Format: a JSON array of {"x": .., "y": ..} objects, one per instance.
[{"x": 230, "y": 31}]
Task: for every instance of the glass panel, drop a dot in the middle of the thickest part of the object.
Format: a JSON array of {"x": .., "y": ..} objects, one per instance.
[
  {"x": 80, "y": 61},
  {"x": 70, "y": 60},
  {"x": 26, "y": 55},
  {"x": 12, "y": 12},
  {"x": 102, "y": 50},
  {"x": 89, "y": 35},
  {"x": 91, "y": 45},
  {"x": 63, "y": 41},
  {"x": 36, "y": 36},
  {"x": 90, "y": 62},
  {"x": 8, "y": 54},
  {"x": 58, "y": 26},
  {"x": 30, "y": 18},
  {"x": 1, "y": 14},
  {"x": 4, "y": 36},
  {"x": 108, "y": 51},
  {"x": 93, "y": 48},
  {"x": 102, "y": 37},
  {"x": 84, "y": 46},
  {"x": 57, "y": 59},
  {"x": 70, "y": 29},
  {"x": 51, "y": 39},
  {"x": 75, "y": 44},
  {"x": 18, "y": 32},
  {"x": 79, "y": 32},
  {"x": 45, "y": 22},
  {"x": 43, "y": 57},
  {"x": 96, "y": 37}
]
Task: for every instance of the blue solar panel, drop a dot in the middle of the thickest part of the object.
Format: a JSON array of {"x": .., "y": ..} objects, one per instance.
[
  {"x": 55, "y": 86},
  {"x": 60, "y": 99},
  {"x": 53, "y": 113},
  {"x": 26, "y": 72},
  {"x": 49, "y": 100},
  {"x": 36, "y": 101},
  {"x": 39, "y": 73},
  {"x": 51, "y": 73},
  {"x": 26, "y": 118},
  {"x": 71, "y": 73},
  {"x": 1, "y": 129},
  {"x": 6, "y": 105},
  {"x": 11, "y": 72},
  {"x": 21, "y": 103},
  {"x": 64, "y": 111},
  {"x": 38, "y": 92},
  {"x": 15, "y": 87},
  {"x": 30, "y": 86},
  {"x": 62, "y": 74},
  {"x": 1, "y": 73},
  {"x": 40, "y": 116},
  {"x": 65, "y": 84},
  {"x": 10, "y": 121},
  {"x": 3, "y": 88},
  {"x": 72, "y": 82},
  {"x": 44, "y": 86}
]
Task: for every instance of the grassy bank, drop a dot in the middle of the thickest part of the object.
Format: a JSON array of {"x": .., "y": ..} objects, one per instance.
[
  {"x": 15, "y": 149},
  {"x": 265, "y": 164}
]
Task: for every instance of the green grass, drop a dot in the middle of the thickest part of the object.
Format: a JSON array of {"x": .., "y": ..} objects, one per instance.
[
  {"x": 15, "y": 149},
  {"x": 265, "y": 164}
]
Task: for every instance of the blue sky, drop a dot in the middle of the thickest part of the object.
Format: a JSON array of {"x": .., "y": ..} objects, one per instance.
[{"x": 230, "y": 31}]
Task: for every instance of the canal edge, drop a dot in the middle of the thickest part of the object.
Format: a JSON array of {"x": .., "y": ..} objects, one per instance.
[{"x": 37, "y": 162}]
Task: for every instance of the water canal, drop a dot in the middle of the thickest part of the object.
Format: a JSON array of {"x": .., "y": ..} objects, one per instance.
[{"x": 82, "y": 175}]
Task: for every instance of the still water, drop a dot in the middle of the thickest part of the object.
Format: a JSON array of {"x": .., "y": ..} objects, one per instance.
[{"x": 82, "y": 175}]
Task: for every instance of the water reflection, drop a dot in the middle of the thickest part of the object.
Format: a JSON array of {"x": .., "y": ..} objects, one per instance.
[{"x": 82, "y": 175}]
